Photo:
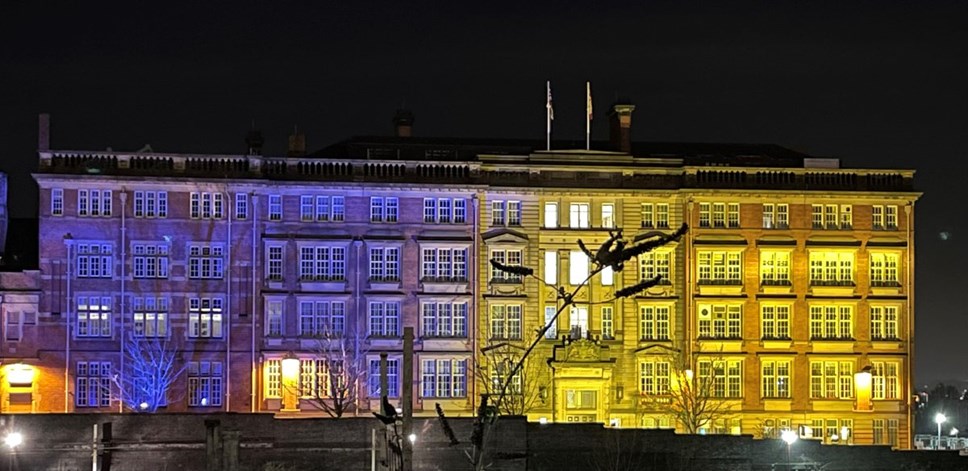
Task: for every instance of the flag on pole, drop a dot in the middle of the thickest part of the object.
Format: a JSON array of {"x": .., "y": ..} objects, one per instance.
[
  {"x": 551, "y": 109},
  {"x": 588, "y": 99}
]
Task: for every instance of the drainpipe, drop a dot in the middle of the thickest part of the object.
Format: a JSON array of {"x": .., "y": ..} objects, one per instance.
[
  {"x": 359, "y": 315},
  {"x": 910, "y": 320},
  {"x": 227, "y": 321},
  {"x": 124, "y": 260},
  {"x": 475, "y": 289},
  {"x": 68, "y": 240},
  {"x": 253, "y": 213}
]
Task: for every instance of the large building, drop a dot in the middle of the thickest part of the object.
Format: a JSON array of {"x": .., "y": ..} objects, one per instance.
[{"x": 795, "y": 276}]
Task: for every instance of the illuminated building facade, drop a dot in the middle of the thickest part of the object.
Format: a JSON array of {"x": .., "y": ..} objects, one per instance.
[{"x": 795, "y": 276}]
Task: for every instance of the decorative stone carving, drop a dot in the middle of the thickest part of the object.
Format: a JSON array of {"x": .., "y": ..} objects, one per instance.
[{"x": 582, "y": 350}]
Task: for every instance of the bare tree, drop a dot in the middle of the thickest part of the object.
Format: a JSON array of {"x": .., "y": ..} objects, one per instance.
[
  {"x": 150, "y": 368},
  {"x": 340, "y": 369},
  {"x": 525, "y": 388},
  {"x": 696, "y": 400}
]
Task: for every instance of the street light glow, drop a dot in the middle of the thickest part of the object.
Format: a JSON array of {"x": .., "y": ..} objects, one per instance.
[
  {"x": 788, "y": 436},
  {"x": 14, "y": 439},
  {"x": 413, "y": 438},
  {"x": 940, "y": 418}
]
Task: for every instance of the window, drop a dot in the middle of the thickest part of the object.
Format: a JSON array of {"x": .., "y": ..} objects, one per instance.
[
  {"x": 511, "y": 257},
  {"x": 444, "y": 213},
  {"x": 460, "y": 211},
  {"x": 384, "y": 209},
  {"x": 884, "y": 218},
  {"x": 718, "y": 214},
  {"x": 321, "y": 318},
  {"x": 775, "y": 268},
  {"x": 506, "y": 321},
  {"x": 94, "y": 203},
  {"x": 444, "y": 319},
  {"x": 776, "y": 378},
  {"x": 307, "y": 209},
  {"x": 205, "y": 317},
  {"x": 551, "y": 267},
  {"x": 56, "y": 201},
  {"x": 775, "y": 321},
  {"x": 551, "y": 215},
  {"x": 884, "y": 269},
  {"x": 93, "y": 316},
  {"x": 205, "y": 261},
  {"x": 500, "y": 369},
  {"x": 720, "y": 267},
  {"x": 443, "y": 264},
  {"x": 581, "y": 399},
  {"x": 150, "y": 316},
  {"x": 384, "y": 264},
  {"x": 578, "y": 216},
  {"x": 578, "y": 316},
  {"x": 552, "y": 332},
  {"x": 205, "y": 205},
  {"x": 150, "y": 260},
  {"x": 888, "y": 436},
  {"x": 653, "y": 264},
  {"x": 204, "y": 383},
  {"x": 505, "y": 213},
  {"x": 831, "y": 379},
  {"x": 151, "y": 204},
  {"x": 884, "y": 323},
  {"x": 443, "y": 378},
  {"x": 274, "y": 318},
  {"x": 13, "y": 324},
  {"x": 275, "y": 207},
  {"x": 274, "y": 263},
  {"x": 322, "y": 263},
  {"x": 654, "y": 377},
  {"x": 607, "y": 276},
  {"x": 384, "y": 319},
  {"x": 723, "y": 378},
  {"x": 832, "y": 216},
  {"x": 608, "y": 323},
  {"x": 273, "y": 378},
  {"x": 93, "y": 384},
  {"x": 577, "y": 267},
  {"x": 830, "y": 430},
  {"x": 320, "y": 208},
  {"x": 654, "y": 322},
  {"x": 834, "y": 322},
  {"x": 655, "y": 215},
  {"x": 393, "y": 378},
  {"x": 776, "y": 216},
  {"x": 720, "y": 321},
  {"x": 241, "y": 206},
  {"x": 314, "y": 377},
  {"x": 95, "y": 261},
  {"x": 886, "y": 382},
  {"x": 831, "y": 268},
  {"x": 608, "y": 215}
]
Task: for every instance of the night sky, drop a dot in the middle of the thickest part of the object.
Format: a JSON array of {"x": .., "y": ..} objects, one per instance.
[{"x": 878, "y": 84}]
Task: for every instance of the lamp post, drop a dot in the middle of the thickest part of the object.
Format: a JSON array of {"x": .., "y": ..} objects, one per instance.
[
  {"x": 788, "y": 436},
  {"x": 12, "y": 440},
  {"x": 290, "y": 381},
  {"x": 939, "y": 419}
]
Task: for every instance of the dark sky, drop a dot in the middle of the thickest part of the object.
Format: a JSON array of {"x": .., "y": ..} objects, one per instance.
[{"x": 880, "y": 83}]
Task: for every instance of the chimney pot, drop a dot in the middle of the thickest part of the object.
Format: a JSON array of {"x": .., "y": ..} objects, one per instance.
[
  {"x": 297, "y": 144},
  {"x": 43, "y": 132},
  {"x": 620, "y": 124},
  {"x": 254, "y": 141},
  {"x": 403, "y": 123}
]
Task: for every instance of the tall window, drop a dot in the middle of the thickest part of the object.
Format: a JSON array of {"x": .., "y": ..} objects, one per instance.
[
  {"x": 723, "y": 377},
  {"x": 151, "y": 204},
  {"x": 205, "y": 261},
  {"x": 654, "y": 377},
  {"x": 719, "y": 214},
  {"x": 577, "y": 267},
  {"x": 275, "y": 207},
  {"x": 655, "y": 215},
  {"x": 205, "y": 317},
  {"x": 776, "y": 378},
  {"x": 776, "y": 216},
  {"x": 321, "y": 208},
  {"x": 150, "y": 316},
  {"x": 56, "y": 201},
  {"x": 93, "y": 384},
  {"x": 273, "y": 378},
  {"x": 831, "y": 268},
  {"x": 385, "y": 264},
  {"x": 718, "y": 267},
  {"x": 655, "y": 263},
  {"x": 321, "y": 318},
  {"x": 578, "y": 316},
  {"x": 505, "y": 213},
  {"x": 443, "y": 378},
  {"x": 608, "y": 323},
  {"x": 94, "y": 261},
  {"x": 551, "y": 215},
  {"x": 13, "y": 324},
  {"x": 884, "y": 269},
  {"x": 551, "y": 267},
  {"x": 393, "y": 378},
  {"x": 775, "y": 268},
  {"x": 241, "y": 206},
  {"x": 775, "y": 321},
  {"x": 322, "y": 263},
  {"x": 204, "y": 383},
  {"x": 150, "y": 260},
  {"x": 443, "y": 264},
  {"x": 274, "y": 263},
  {"x": 94, "y": 203},
  {"x": 578, "y": 215},
  {"x": 884, "y": 323},
  {"x": 274, "y": 318},
  {"x": 384, "y": 209},
  {"x": 884, "y": 218},
  {"x": 205, "y": 205},
  {"x": 549, "y": 318},
  {"x": 314, "y": 375},
  {"x": 834, "y": 321},
  {"x": 720, "y": 321},
  {"x": 885, "y": 431},
  {"x": 506, "y": 321},
  {"x": 93, "y": 316},
  {"x": 831, "y": 379},
  {"x": 832, "y": 216},
  {"x": 608, "y": 215},
  {"x": 886, "y": 380},
  {"x": 384, "y": 319},
  {"x": 654, "y": 322},
  {"x": 444, "y": 319},
  {"x": 506, "y": 257}
]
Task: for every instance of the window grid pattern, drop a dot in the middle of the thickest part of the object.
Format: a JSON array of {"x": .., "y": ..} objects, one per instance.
[
  {"x": 445, "y": 210},
  {"x": 385, "y": 264},
  {"x": 314, "y": 377},
  {"x": 655, "y": 215},
  {"x": 443, "y": 319},
  {"x": 510, "y": 257},
  {"x": 608, "y": 323},
  {"x": 776, "y": 216},
  {"x": 274, "y": 318},
  {"x": 720, "y": 267},
  {"x": 150, "y": 260},
  {"x": 274, "y": 263},
  {"x": 883, "y": 267},
  {"x": 95, "y": 261},
  {"x": 384, "y": 319},
  {"x": 205, "y": 205},
  {"x": 831, "y": 269},
  {"x": 56, "y": 201},
  {"x": 831, "y": 379},
  {"x": 658, "y": 263},
  {"x": 205, "y": 317},
  {"x": 654, "y": 322},
  {"x": 775, "y": 321},
  {"x": 205, "y": 262},
  {"x": 93, "y": 384},
  {"x": 654, "y": 377},
  {"x": 321, "y": 318},
  {"x": 722, "y": 378},
  {"x": 204, "y": 384},
  {"x": 321, "y": 208},
  {"x": 832, "y": 322},
  {"x": 718, "y": 215},
  {"x": 274, "y": 207},
  {"x": 884, "y": 218},
  {"x": 150, "y": 204},
  {"x": 150, "y": 316},
  {"x": 241, "y": 206},
  {"x": 720, "y": 321},
  {"x": 775, "y": 268},
  {"x": 384, "y": 209},
  {"x": 608, "y": 215},
  {"x": 885, "y": 380},
  {"x": 94, "y": 203},
  {"x": 441, "y": 264},
  {"x": 578, "y": 216},
  {"x": 444, "y": 378},
  {"x": 832, "y": 216},
  {"x": 884, "y": 322},
  {"x": 322, "y": 263},
  {"x": 506, "y": 321},
  {"x": 775, "y": 375},
  {"x": 393, "y": 378},
  {"x": 93, "y": 316}
]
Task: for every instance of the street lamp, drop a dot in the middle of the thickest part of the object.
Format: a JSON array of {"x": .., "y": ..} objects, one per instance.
[
  {"x": 939, "y": 419},
  {"x": 13, "y": 440},
  {"x": 788, "y": 436},
  {"x": 290, "y": 380}
]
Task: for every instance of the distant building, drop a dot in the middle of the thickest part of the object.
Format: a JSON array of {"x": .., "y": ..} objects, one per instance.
[{"x": 796, "y": 275}]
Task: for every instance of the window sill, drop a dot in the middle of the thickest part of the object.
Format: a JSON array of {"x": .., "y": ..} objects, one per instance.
[
  {"x": 784, "y": 344},
  {"x": 832, "y": 290},
  {"x": 786, "y": 288},
  {"x": 322, "y": 285},
  {"x": 707, "y": 345},
  {"x": 720, "y": 289},
  {"x": 832, "y": 345}
]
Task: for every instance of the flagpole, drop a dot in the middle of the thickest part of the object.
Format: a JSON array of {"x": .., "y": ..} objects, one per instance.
[
  {"x": 550, "y": 116},
  {"x": 588, "y": 115}
]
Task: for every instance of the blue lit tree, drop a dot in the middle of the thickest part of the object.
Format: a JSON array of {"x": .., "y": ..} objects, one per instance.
[
  {"x": 341, "y": 367},
  {"x": 150, "y": 369}
]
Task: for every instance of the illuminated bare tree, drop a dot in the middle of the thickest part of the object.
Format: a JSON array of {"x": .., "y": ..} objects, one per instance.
[
  {"x": 150, "y": 368},
  {"x": 339, "y": 370},
  {"x": 525, "y": 388},
  {"x": 697, "y": 400}
]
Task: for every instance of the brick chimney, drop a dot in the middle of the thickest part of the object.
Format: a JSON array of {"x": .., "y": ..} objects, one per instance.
[
  {"x": 297, "y": 143},
  {"x": 254, "y": 141},
  {"x": 43, "y": 132},
  {"x": 403, "y": 123},
  {"x": 620, "y": 124}
]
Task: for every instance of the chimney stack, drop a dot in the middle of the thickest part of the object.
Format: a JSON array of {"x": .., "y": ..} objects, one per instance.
[
  {"x": 403, "y": 123},
  {"x": 254, "y": 141},
  {"x": 297, "y": 143},
  {"x": 43, "y": 132},
  {"x": 620, "y": 124}
]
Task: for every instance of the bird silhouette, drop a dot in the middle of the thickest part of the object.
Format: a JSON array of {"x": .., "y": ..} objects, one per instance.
[{"x": 388, "y": 414}]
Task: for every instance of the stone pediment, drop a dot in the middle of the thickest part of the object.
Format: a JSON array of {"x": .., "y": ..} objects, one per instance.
[
  {"x": 503, "y": 235},
  {"x": 582, "y": 350}
]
